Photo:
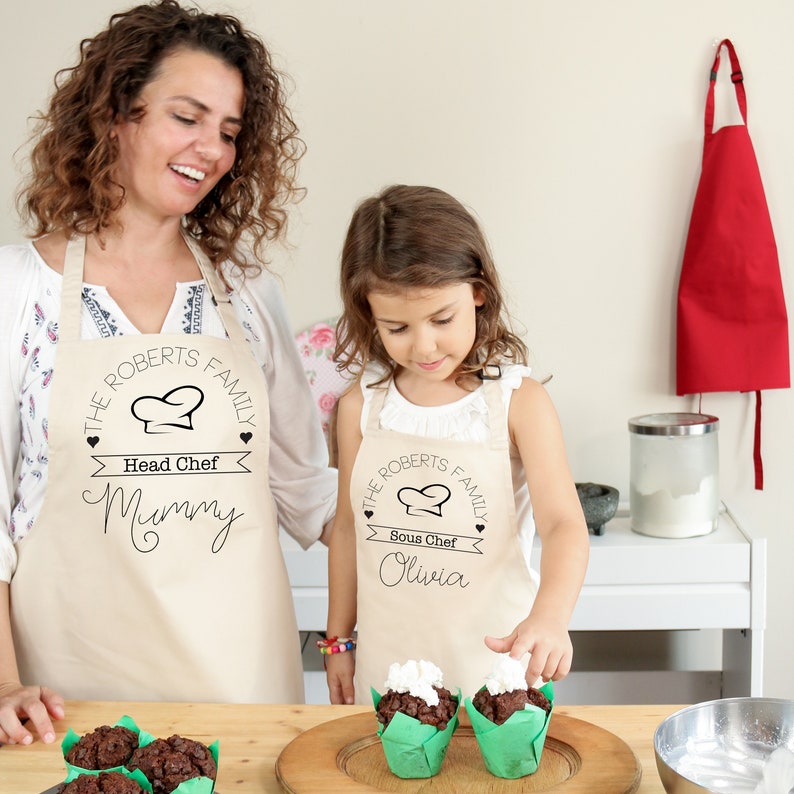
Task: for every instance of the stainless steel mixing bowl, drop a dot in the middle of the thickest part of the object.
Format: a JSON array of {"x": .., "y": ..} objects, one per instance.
[{"x": 723, "y": 745}]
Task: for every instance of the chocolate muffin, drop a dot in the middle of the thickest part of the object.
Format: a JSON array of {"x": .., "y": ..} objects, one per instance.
[
  {"x": 103, "y": 783},
  {"x": 498, "y": 708},
  {"x": 103, "y": 748},
  {"x": 417, "y": 707},
  {"x": 168, "y": 762}
]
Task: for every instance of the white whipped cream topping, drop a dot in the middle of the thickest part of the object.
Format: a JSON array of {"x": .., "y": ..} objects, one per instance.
[
  {"x": 416, "y": 678},
  {"x": 507, "y": 675}
]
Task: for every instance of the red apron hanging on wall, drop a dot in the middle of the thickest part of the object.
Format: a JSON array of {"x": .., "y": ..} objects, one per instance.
[{"x": 732, "y": 326}]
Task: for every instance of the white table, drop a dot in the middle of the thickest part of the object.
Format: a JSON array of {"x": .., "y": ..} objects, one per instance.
[{"x": 634, "y": 583}]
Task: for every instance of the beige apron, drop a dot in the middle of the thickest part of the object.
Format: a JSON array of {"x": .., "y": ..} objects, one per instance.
[
  {"x": 439, "y": 561},
  {"x": 154, "y": 570}
]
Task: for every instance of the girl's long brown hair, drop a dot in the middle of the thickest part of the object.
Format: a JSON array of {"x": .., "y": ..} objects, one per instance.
[
  {"x": 414, "y": 236},
  {"x": 71, "y": 186}
]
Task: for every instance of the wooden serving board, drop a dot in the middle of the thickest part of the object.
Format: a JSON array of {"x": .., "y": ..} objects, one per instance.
[{"x": 345, "y": 755}]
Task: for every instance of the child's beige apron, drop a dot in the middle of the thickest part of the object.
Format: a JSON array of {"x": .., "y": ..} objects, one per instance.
[
  {"x": 439, "y": 562},
  {"x": 154, "y": 570}
]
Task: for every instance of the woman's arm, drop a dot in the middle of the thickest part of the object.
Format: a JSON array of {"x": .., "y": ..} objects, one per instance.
[
  {"x": 20, "y": 287},
  {"x": 342, "y": 573},
  {"x": 19, "y": 277},
  {"x": 565, "y": 544},
  {"x": 302, "y": 483},
  {"x": 38, "y": 704}
]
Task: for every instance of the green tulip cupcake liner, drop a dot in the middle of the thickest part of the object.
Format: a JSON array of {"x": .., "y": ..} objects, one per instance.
[
  {"x": 413, "y": 749},
  {"x": 195, "y": 785},
  {"x": 514, "y": 748}
]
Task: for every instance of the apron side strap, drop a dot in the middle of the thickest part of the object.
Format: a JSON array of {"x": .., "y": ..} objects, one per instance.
[
  {"x": 738, "y": 84},
  {"x": 758, "y": 464}
]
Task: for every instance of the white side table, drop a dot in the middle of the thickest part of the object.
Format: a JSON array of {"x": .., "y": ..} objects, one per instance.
[{"x": 716, "y": 581}]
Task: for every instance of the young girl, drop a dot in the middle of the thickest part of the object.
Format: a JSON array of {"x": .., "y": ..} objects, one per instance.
[{"x": 442, "y": 442}]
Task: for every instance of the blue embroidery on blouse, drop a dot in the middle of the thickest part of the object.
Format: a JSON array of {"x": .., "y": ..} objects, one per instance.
[
  {"x": 193, "y": 310},
  {"x": 102, "y": 319}
]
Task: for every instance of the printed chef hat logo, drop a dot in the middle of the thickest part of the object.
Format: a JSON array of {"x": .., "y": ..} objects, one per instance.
[
  {"x": 426, "y": 501},
  {"x": 172, "y": 410}
]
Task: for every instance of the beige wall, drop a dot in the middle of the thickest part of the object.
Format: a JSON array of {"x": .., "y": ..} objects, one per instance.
[{"x": 574, "y": 129}]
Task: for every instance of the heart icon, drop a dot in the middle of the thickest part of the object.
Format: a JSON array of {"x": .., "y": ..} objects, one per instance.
[
  {"x": 479, "y": 527},
  {"x": 246, "y": 437},
  {"x": 92, "y": 441},
  {"x": 368, "y": 513}
]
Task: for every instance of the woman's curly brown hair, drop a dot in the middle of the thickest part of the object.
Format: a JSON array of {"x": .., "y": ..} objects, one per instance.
[
  {"x": 412, "y": 237},
  {"x": 71, "y": 186}
]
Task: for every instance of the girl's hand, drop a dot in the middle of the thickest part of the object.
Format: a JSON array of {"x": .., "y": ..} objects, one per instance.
[
  {"x": 38, "y": 704},
  {"x": 548, "y": 644},
  {"x": 339, "y": 674}
]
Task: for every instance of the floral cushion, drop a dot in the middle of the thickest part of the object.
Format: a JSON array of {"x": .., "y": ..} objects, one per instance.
[{"x": 316, "y": 348}]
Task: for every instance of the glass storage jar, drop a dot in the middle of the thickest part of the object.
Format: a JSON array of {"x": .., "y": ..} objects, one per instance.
[{"x": 674, "y": 481}]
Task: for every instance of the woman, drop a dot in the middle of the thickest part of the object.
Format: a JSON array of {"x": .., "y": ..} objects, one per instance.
[{"x": 174, "y": 432}]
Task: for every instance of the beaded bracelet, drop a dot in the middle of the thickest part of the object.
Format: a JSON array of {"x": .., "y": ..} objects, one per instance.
[{"x": 336, "y": 644}]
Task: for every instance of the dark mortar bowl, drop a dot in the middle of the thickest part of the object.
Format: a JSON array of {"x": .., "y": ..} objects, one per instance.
[{"x": 599, "y": 503}]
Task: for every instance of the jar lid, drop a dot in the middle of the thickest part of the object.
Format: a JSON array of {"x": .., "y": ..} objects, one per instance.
[{"x": 673, "y": 424}]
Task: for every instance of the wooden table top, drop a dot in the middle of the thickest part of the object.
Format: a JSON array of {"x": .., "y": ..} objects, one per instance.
[{"x": 252, "y": 737}]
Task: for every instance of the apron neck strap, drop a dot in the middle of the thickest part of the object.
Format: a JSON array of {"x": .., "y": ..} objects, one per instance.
[
  {"x": 497, "y": 417},
  {"x": 220, "y": 297},
  {"x": 376, "y": 405},
  {"x": 738, "y": 85},
  {"x": 72, "y": 291}
]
